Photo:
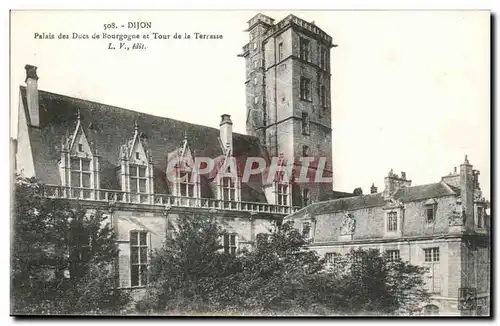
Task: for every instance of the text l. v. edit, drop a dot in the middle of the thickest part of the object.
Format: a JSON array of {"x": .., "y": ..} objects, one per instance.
[{"x": 123, "y": 46}]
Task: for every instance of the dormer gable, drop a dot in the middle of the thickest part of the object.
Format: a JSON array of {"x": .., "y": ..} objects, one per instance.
[{"x": 79, "y": 163}]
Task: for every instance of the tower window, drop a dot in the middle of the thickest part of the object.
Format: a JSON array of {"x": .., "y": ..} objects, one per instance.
[
  {"x": 305, "y": 150},
  {"x": 255, "y": 45},
  {"x": 305, "y": 123},
  {"x": 255, "y": 81},
  {"x": 322, "y": 95},
  {"x": 305, "y": 88},
  {"x": 137, "y": 155},
  {"x": 280, "y": 51},
  {"x": 304, "y": 49},
  {"x": 80, "y": 147},
  {"x": 256, "y": 99},
  {"x": 322, "y": 58},
  {"x": 305, "y": 197},
  {"x": 255, "y": 64}
]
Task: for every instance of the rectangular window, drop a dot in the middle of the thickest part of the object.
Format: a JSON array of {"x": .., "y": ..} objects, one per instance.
[
  {"x": 137, "y": 155},
  {"x": 305, "y": 89},
  {"x": 280, "y": 51},
  {"x": 305, "y": 197},
  {"x": 393, "y": 255},
  {"x": 480, "y": 217},
  {"x": 80, "y": 173},
  {"x": 230, "y": 243},
  {"x": 228, "y": 189},
  {"x": 255, "y": 81},
  {"x": 305, "y": 123},
  {"x": 256, "y": 100},
  {"x": 138, "y": 258},
  {"x": 304, "y": 49},
  {"x": 430, "y": 215},
  {"x": 255, "y": 64},
  {"x": 330, "y": 258},
  {"x": 322, "y": 95},
  {"x": 283, "y": 194},
  {"x": 80, "y": 147},
  {"x": 392, "y": 221},
  {"x": 434, "y": 277},
  {"x": 255, "y": 45},
  {"x": 138, "y": 179},
  {"x": 431, "y": 254},
  {"x": 186, "y": 184}
]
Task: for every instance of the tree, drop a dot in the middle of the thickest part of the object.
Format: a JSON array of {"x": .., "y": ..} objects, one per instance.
[
  {"x": 190, "y": 274},
  {"x": 358, "y": 191},
  {"x": 61, "y": 256},
  {"x": 188, "y": 266}
]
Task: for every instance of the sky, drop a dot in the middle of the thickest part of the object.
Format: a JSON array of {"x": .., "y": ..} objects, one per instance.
[{"x": 410, "y": 89}]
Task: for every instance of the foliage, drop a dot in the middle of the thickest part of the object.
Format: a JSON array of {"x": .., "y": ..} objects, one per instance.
[
  {"x": 358, "y": 191},
  {"x": 190, "y": 275},
  {"x": 61, "y": 256}
]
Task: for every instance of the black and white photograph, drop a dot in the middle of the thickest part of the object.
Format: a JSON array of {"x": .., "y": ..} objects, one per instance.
[{"x": 250, "y": 163}]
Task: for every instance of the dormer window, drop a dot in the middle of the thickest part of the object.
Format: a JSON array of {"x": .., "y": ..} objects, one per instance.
[
  {"x": 138, "y": 179},
  {"x": 283, "y": 194},
  {"x": 228, "y": 189},
  {"x": 136, "y": 169},
  {"x": 430, "y": 211},
  {"x": 186, "y": 184},
  {"x": 80, "y": 173},
  {"x": 430, "y": 215}
]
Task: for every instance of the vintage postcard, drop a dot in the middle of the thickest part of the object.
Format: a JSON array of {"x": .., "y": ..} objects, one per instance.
[{"x": 250, "y": 163}]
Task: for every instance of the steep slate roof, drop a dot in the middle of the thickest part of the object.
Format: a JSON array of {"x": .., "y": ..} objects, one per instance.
[
  {"x": 110, "y": 127},
  {"x": 406, "y": 194}
]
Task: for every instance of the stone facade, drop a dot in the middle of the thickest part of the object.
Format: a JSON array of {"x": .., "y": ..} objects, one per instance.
[
  {"x": 288, "y": 92},
  {"x": 432, "y": 225}
]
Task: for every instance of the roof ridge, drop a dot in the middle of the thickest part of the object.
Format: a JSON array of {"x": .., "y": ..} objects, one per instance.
[{"x": 130, "y": 110}]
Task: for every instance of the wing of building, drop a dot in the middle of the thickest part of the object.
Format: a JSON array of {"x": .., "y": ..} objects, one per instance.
[{"x": 443, "y": 226}]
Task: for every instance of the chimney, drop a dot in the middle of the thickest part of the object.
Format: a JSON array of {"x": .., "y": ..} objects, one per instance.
[
  {"x": 32, "y": 95},
  {"x": 373, "y": 189},
  {"x": 393, "y": 182},
  {"x": 226, "y": 131},
  {"x": 467, "y": 191}
]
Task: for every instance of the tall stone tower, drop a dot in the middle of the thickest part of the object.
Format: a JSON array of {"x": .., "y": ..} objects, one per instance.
[{"x": 288, "y": 92}]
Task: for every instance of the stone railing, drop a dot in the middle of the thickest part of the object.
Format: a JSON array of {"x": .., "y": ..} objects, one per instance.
[{"x": 106, "y": 195}]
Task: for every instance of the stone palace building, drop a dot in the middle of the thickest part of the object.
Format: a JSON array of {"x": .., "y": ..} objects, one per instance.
[{"x": 116, "y": 160}]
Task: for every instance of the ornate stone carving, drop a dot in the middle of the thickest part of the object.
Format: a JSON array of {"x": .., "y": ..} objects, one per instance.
[
  {"x": 348, "y": 225},
  {"x": 457, "y": 216}
]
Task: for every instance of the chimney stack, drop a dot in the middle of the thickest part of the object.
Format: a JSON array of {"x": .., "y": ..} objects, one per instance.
[
  {"x": 32, "y": 95},
  {"x": 393, "y": 182},
  {"x": 467, "y": 191},
  {"x": 226, "y": 131},
  {"x": 373, "y": 189}
]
